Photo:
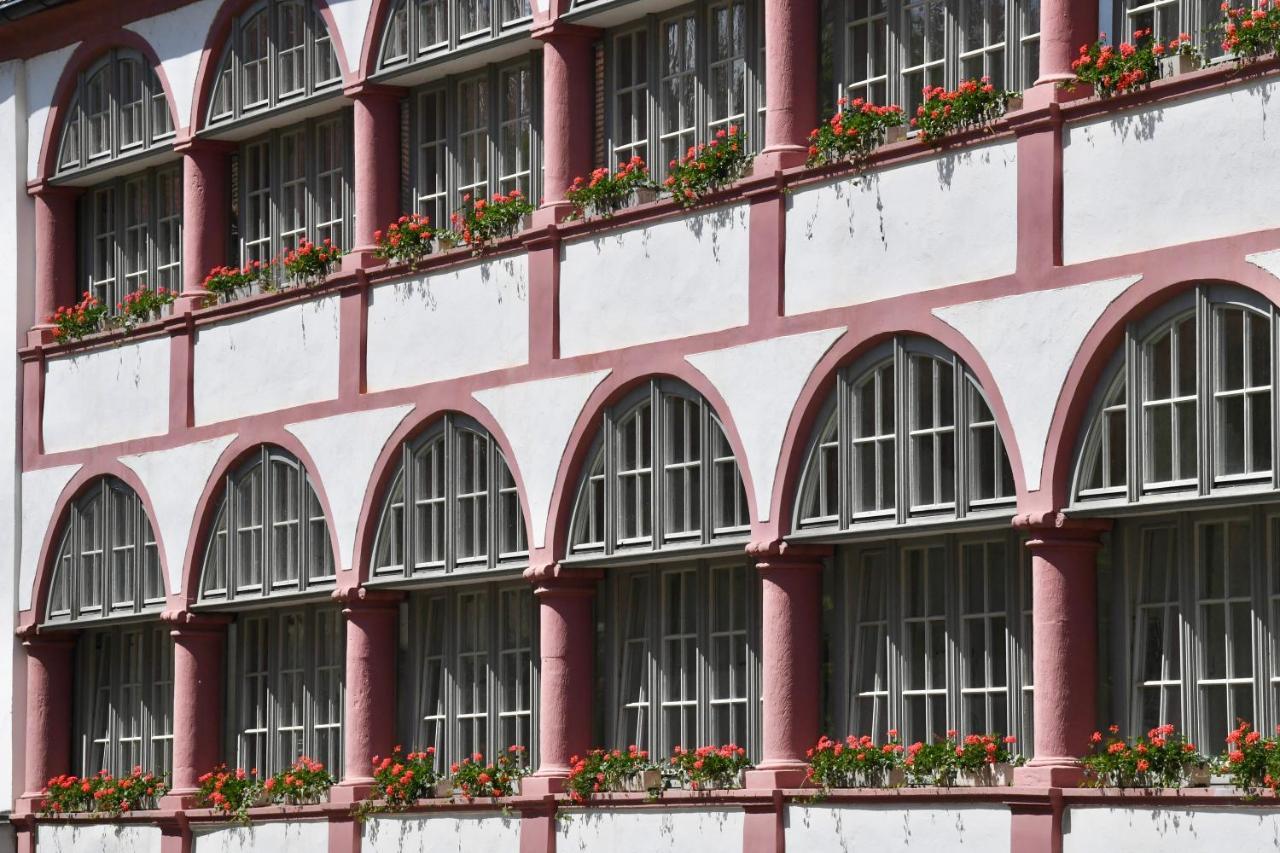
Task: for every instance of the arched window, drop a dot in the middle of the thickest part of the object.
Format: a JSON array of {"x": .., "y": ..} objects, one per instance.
[
  {"x": 118, "y": 109},
  {"x": 278, "y": 52},
  {"x": 418, "y": 30},
  {"x": 1185, "y": 423},
  {"x": 452, "y": 505},
  {"x": 907, "y": 436},
  {"x": 270, "y": 536},
  {"x": 682, "y": 635},
  {"x": 108, "y": 568}
]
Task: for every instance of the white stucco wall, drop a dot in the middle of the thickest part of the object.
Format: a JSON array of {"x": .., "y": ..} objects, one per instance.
[
  {"x": 42, "y": 75},
  {"x": 459, "y": 322},
  {"x": 107, "y": 395},
  {"x": 655, "y": 282},
  {"x": 706, "y": 830},
  {"x": 891, "y": 829},
  {"x": 97, "y": 838},
  {"x": 281, "y": 358},
  {"x": 40, "y": 491},
  {"x": 292, "y": 836},
  {"x": 178, "y": 39},
  {"x": 1156, "y": 176},
  {"x": 1135, "y": 829},
  {"x": 932, "y": 223},
  {"x": 442, "y": 833},
  {"x": 352, "y": 19}
]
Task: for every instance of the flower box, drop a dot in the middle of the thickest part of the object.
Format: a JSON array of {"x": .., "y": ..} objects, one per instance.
[
  {"x": 1177, "y": 64},
  {"x": 895, "y": 134},
  {"x": 645, "y": 195},
  {"x": 1014, "y": 103},
  {"x": 998, "y": 775},
  {"x": 442, "y": 789},
  {"x": 1200, "y": 777},
  {"x": 643, "y": 781}
]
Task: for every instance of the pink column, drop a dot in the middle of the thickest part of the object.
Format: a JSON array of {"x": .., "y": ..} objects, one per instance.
[
  {"x": 568, "y": 94},
  {"x": 55, "y": 256},
  {"x": 199, "y": 652},
  {"x": 791, "y": 82},
  {"x": 206, "y": 208},
  {"x": 1064, "y": 569},
  {"x": 49, "y": 695},
  {"x": 376, "y": 182},
  {"x": 790, "y": 652},
  {"x": 1064, "y": 26},
  {"x": 369, "y": 716},
  {"x": 566, "y": 679}
]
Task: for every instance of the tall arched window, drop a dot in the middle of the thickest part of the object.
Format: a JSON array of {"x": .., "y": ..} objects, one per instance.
[
  {"x": 469, "y": 648},
  {"x": 419, "y": 30},
  {"x": 118, "y": 109},
  {"x": 278, "y": 52},
  {"x": 682, "y": 634},
  {"x": 270, "y": 540},
  {"x": 1183, "y": 432},
  {"x": 105, "y": 576}
]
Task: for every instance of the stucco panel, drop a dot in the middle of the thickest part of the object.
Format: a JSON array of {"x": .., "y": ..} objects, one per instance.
[
  {"x": 270, "y": 361},
  {"x": 1170, "y": 155},
  {"x": 655, "y": 282},
  {"x": 97, "y": 838},
  {"x": 40, "y": 491},
  {"x": 889, "y": 829},
  {"x": 1136, "y": 829},
  {"x": 43, "y": 73},
  {"x": 459, "y": 322},
  {"x": 107, "y": 395},
  {"x": 707, "y": 830},
  {"x": 903, "y": 230},
  {"x": 442, "y": 833},
  {"x": 292, "y": 836}
]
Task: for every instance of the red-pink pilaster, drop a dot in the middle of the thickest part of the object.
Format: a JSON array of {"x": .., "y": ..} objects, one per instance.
[
  {"x": 32, "y": 402},
  {"x": 791, "y": 79},
  {"x": 369, "y": 716},
  {"x": 49, "y": 690},
  {"x": 544, "y": 295},
  {"x": 55, "y": 265},
  {"x": 790, "y": 653},
  {"x": 1035, "y": 823},
  {"x": 175, "y": 834},
  {"x": 767, "y": 255},
  {"x": 181, "y": 367},
  {"x": 538, "y": 826},
  {"x": 376, "y": 190},
  {"x": 199, "y": 650},
  {"x": 1064, "y": 566},
  {"x": 568, "y": 95},
  {"x": 353, "y": 337},
  {"x": 1039, "y": 131},
  {"x": 566, "y": 678},
  {"x": 344, "y": 833},
  {"x": 1064, "y": 26},
  {"x": 206, "y": 207},
  {"x": 763, "y": 826}
]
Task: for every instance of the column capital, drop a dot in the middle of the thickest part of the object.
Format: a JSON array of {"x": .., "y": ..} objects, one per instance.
[
  {"x": 781, "y": 554},
  {"x": 197, "y": 145},
  {"x": 46, "y": 189},
  {"x": 360, "y": 598},
  {"x": 36, "y": 637},
  {"x": 365, "y": 89},
  {"x": 558, "y": 29},
  {"x": 185, "y": 623},
  {"x": 558, "y": 579},
  {"x": 1057, "y": 529}
]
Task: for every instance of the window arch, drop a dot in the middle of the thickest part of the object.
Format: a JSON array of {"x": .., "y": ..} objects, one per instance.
[
  {"x": 107, "y": 563},
  {"x": 270, "y": 536},
  {"x": 278, "y": 52},
  {"x": 420, "y": 29},
  {"x": 662, "y": 475},
  {"x": 456, "y": 508},
  {"x": 907, "y": 436},
  {"x": 118, "y": 109}
]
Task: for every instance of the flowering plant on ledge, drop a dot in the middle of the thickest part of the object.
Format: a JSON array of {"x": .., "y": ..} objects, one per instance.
[
  {"x": 481, "y": 222},
  {"x": 1162, "y": 759},
  {"x": 850, "y": 135},
  {"x": 406, "y": 241},
  {"x": 83, "y": 318},
  {"x": 858, "y": 762},
  {"x": 310, "y": 264},
  {"x": 474, "y": 778},
  {"x": 708, "y": 167},
  {"x": 306, "y": 781},
  {"x": 611, "y": 770},
  {"x": 102, "y": 793},
  {"x": 400, "y": 780},
  {"x": 1252, "y": 761},
  {"x": 605, "y": 192},
  {"x": 971, "y": 760},
  {"x": 1250, "y": 32},
  {"x": 1131, "y": 65},
  {"x": 143, "y": 305},
  {"x": 710, "y": 768},
  {"x": 227, "y": 283},
  {"x": 231, "y": 792},
  {"x": 973, "y": 104}
]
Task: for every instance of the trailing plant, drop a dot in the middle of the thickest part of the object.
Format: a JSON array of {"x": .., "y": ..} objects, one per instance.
[
  {"x": 709, "y": 768},
  {"x": 849, "y": 136},
  {"x": 972, "y": 104},
  {"x": 1161, "y": 759},
  {"x": 605, "y": 192},
  {"x": 475, "y": 778},
  {"x": 399, "y": 780},
  {"x": 75, "y": 322},
  {"x": 408, "y": 240},
  {"x": 1115, "y": 70},
  {"x": 1249, "y": 32},
  {"x": 231, "y": 792},
  {"x": 479, "y": 223},
  {"x": 857, "y": 762},
  {"x": 142, "y": 305},
  {"x": 604, "y": 770},
  {"x": 708, "y": 167},
  {"x": 310, "y": 263},
  {"x": 307, "y": 781},
  {"x": 1252, "y": 761},
  {"x": 227, "y": 283},
  {"x": 102, "y": 793}
]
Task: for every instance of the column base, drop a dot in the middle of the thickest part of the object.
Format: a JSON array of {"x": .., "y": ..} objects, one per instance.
[
  {"x": 360, "y": 257},
  {"x": 348, "y": 792},
  {"x": 551, "y": 213},
  {"x": 1050, "y": 772},
  {"x": 778, "y": 774},
  {"x": 28, "y": 803},
  {"x": 41, "y": 335},
  {"x": 778, "y": 158},
  {"x": 544, "y": 783},
  {"x": 178, "y": 799}
]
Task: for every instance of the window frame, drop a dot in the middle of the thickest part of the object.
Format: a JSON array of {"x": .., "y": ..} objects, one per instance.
[{"x": 416, "y": 54}]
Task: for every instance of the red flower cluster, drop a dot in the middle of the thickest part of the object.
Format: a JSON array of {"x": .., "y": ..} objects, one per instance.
[
  {"x": 1163, "y": 758},
  {"x": 857, "y": 762},
  {"x": 231, "y": 792},
  {"x": 708, "y": 167},
  {"x": 474, "y": 778},
  {"x": 228, "y": 283},
  {"x": 710, "y": 767},
  {"x": 1250, "y": 32},
  {"x": 856, "y": 129},
  {"x": 142, "y": 305},
  {"x": 407, "y": 240},
  {"x": 605, "y": 770},
  {"x": 401, "y": 779},
  {"x": 310, "y": 263},
  {"x": 480, "y": 222},
  {"x": 102, "y": 793},
  {"x": 972, "y": 104},
  {"x": 605, "y": 192},
  {"x": 74, "y": 322},
  {"x": 1131, "y": 65}
]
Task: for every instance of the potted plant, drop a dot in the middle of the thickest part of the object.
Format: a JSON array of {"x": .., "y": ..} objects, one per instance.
[
  {"x": 231, "y": 792},
  {"x": 309, "y": 263},
  {"x": 305, "y": 783},
  {"x": 710, "y": 768},
  {"x": 985, "y": 761},
  {"x": 143, "y": 305},
  {"x": 101, "y": 794},
  {"x": 480, "y": 223},
  {"x": 400, "y": 780},
  {"x": 1115, "y": 70},
  {"x": 473, "y": 777},
  {"x": 79, "y": 320},
  {"x": 1251, "y": 762},
  {"x": 857, "y": 762},
  {"x": 1161, "y": 759},
  {"x": 1251, "y": 31},
  {"x": 857, "y": 129},
  {"x": 603, "y": 770},
  {"x": 1180, "y": 56},
  {"x": 408, "y": 240},
  {"x": 972, "y": 104},
  {"x": 226, "y": 283},
  {"x": 708, "y": 167},
  {"x": 604, "y": 193}
]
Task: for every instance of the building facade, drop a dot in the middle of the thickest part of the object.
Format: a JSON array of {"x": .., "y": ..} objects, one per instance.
[{"x": 979, "y": 437}]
